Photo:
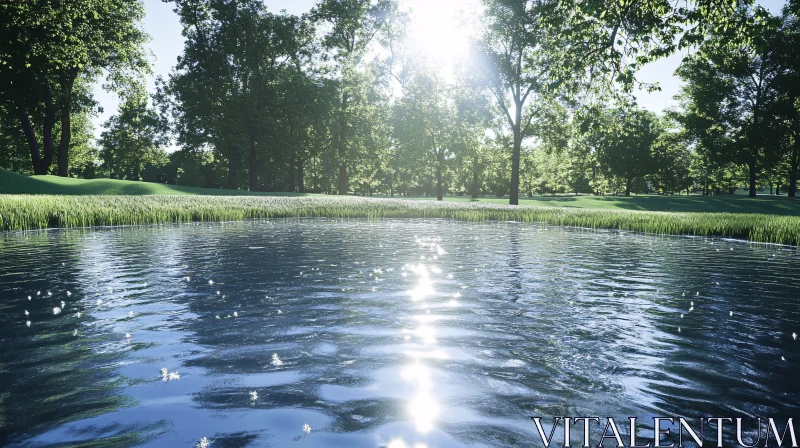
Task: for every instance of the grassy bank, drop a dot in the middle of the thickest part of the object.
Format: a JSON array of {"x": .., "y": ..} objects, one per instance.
[
  {"x": 24, "y": 212},
  {"x": 13, "y": 183}
]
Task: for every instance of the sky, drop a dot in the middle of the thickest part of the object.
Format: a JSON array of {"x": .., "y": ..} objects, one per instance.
[{"x": 435, "y": 27}]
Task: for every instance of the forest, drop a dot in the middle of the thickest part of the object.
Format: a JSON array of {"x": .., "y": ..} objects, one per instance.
[{"x": 336, "y": 101}]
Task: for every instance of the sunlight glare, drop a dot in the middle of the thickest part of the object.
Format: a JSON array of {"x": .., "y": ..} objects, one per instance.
[{"x": 436, "y": 28}]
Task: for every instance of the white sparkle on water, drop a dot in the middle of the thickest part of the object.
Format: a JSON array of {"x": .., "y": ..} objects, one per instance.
[
  {"x": 276, "y": 361},
  {"x": 211, "y": 282},
  {"x": 204, "y": 443},
  {"x": 28, "y": 323},
  {"x": 56, "y": 311},
  {"x": 99, "y": 301},
  {"x": 306, "y": 428},
  {"x": 794, "y": 336},
  {"x": 169, "y": 376},
  {"x": 27, "y": 313},
  {"x": 253, "y": 395}
]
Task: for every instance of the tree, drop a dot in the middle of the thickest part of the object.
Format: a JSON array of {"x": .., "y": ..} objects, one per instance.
[
  {"x": 728, "y": 96},
  {"x": 423, "y": 125},
  {"x": 50, "y": 48},
  {"x": 622, "y": 140},
  {"x": 472, "y": 117},
  {"x": 133, "y": 139},
  {"x": 786, "y": 108},
  {"x": 515, "y": 61},
  {"x": 672, "y": 160},
  {"x": 226, "y": 91},
  {"x": 353, "y": 25}
]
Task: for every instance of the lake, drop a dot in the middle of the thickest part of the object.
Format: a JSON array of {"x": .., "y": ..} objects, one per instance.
[{"x": 393, "y": 333}]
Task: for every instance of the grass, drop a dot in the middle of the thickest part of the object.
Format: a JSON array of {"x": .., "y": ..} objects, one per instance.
[
  {"x": 48, "y": 201},
  {"x": 26, "y": 212},
  {"x": 773, "y": 205},
  {"x": 13, "y": 183}
]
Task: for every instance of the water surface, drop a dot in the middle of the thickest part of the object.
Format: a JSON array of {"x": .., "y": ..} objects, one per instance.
[{"x": 382, "y": 333}]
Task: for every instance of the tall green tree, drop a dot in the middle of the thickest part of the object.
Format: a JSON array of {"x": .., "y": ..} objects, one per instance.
[
  {"x": 786, "y": 108},
  {"x": 728, "y": 95},
  {"x": 47, "y": 49},
  {"x": 424, "y": 125},
  {"x": 352, "y": 26},
  {"x": 515, "y": 55},
  {"x": 133, "y": 138},
  {"x": 226, "y": 91}
]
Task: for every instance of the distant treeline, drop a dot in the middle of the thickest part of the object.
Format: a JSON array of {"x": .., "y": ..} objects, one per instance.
[{"x": 337, "y": 101}]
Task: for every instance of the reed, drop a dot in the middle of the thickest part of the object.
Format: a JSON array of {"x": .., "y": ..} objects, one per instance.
[{"x": 29, "y": 212}]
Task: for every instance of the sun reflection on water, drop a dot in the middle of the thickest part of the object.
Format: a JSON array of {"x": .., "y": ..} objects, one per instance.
[{"x": 423, "y": 407}]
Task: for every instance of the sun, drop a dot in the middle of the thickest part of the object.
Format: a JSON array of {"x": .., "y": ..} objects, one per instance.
[{"x": 439, "y": 29}]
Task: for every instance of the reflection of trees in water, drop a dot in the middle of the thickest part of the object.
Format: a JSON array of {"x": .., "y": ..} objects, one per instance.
[
  {"x": 49, "y": 376},
  {"x": 323, "y": 324},
  {"x": 514, "y": 285}
]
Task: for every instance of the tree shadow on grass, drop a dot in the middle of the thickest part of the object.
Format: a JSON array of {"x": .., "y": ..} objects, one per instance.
[{"x": 775, "y": 205}]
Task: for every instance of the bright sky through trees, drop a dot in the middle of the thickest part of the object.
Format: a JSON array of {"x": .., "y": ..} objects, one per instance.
[{"x": 436, "y": 30}]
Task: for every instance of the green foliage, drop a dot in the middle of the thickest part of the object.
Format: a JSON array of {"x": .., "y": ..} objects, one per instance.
[
  {"x": 133, "y": 142},
  {"x": 51, "y": 52},
  {"x": 729, "y": 94}
]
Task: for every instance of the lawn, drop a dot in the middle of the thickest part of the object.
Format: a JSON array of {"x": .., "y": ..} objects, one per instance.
[
  {"x": 12, "y": 183},
  {"x": 28, "y": 203}
]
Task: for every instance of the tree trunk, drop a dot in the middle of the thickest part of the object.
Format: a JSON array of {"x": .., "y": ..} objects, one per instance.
[
  {"x": 475, "y": 182},
  {"x": 67, "y": 83},
  {"x": 39, "y": 167},
  {"x": 794, "y": 164},
  {"x": 343, "y": 181},
  {"x": 41, "y": 158},
  {"x": 342, "y": 146},
  {"x": 628, "y": 185},
  {"x": 770, "y": 188},
  {"x": 515, "y": 156},
  {"x": 438, "y": 178},
  {"x": 301, "y": 188},
  {"x": 233, "y": 164},
  {"x": 47, "y": 131},
  {"x": 292, "y": 182},
  {"x": 253, "y": 165},
  {"x": 751, "y": 167}
]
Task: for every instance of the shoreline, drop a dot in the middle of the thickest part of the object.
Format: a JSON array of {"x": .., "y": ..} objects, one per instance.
[{"x": 38, "y": 212}]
